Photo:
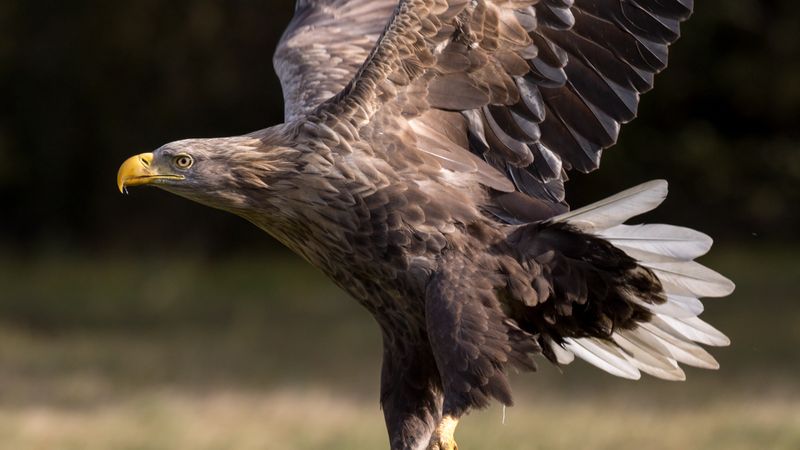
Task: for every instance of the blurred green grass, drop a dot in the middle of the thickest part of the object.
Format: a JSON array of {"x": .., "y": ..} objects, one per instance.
[{"x": 240, "y": 353}]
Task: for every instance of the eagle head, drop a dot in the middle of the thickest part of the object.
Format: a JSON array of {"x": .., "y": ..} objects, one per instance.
[{"x": 234, "y": 174}]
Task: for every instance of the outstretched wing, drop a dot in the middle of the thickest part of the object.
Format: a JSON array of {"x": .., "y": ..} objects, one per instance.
[
  {"x": 534, "y": 87},
  {"x": 323, "y": 47}
]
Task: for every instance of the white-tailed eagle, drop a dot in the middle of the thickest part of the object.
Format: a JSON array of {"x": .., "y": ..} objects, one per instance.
[{"x": 421, "y": 166}]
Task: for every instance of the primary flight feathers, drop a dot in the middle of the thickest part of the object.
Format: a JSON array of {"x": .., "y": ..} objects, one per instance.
[{"x": 541, "y": 85}]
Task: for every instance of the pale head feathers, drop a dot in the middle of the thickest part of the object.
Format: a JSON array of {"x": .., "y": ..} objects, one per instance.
[{"x": 231, "y": 173}]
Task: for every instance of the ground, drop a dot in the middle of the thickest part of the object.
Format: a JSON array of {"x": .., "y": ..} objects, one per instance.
[{"x": 240, "y": 353}]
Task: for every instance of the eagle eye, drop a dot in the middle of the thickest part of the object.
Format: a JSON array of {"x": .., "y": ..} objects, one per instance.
[{"x": 183, "y": 161}]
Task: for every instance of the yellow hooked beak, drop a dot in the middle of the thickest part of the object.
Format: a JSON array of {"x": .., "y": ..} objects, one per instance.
[{"x": 137, "y": 170}]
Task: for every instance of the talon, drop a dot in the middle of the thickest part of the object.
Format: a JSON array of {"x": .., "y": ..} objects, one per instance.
[{"x": 442, "y": 438}]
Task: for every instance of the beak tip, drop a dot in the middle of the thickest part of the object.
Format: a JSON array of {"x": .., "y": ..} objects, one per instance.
[
  {"x": 133, "y": 167},
  {"x": 121, "y": 184}
]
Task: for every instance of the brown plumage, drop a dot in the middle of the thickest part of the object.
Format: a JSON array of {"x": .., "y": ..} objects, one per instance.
[{"x": 421, "y": 167}]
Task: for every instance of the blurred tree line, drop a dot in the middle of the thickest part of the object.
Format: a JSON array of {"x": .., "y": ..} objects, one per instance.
[{"x": 86, "y": 83}]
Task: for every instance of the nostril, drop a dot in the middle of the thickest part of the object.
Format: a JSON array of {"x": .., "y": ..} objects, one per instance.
[{"x": 144, "y": 162}]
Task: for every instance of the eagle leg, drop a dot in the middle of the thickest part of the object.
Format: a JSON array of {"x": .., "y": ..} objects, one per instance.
[
  {"x": 443, "y": 437},
  {"x": 469, "y": 336},
  {"x": 410, "y": 395}
]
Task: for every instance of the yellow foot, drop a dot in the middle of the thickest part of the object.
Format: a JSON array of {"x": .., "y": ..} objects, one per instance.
[
  {"x": 442, "y": 438},
  {"x": 437, "y": 444}
]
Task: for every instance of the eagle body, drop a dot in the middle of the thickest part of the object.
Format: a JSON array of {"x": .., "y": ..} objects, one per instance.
[
  {"x": 395, "y": 239},
  {"x": 421, "y": 167},
  {"x": 377, "y": 227}
]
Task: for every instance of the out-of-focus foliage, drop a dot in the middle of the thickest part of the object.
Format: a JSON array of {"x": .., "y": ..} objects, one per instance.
[
  {"x": 86, "y": 83},
  {"x": 263, "y": 353}
]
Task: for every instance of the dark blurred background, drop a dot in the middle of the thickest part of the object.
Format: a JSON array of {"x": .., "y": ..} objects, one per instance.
[{"x": 144, "y": 291}]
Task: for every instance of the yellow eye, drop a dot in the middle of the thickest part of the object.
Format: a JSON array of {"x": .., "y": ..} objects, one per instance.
[{"x": 183, "y": 161}]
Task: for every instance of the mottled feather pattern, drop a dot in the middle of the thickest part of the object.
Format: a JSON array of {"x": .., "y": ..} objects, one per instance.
[
  {"x": 435, "y": 144},
  {"x": 569, "y": 72},
  {"x": 577, "y": 285},
  {"x": 421, "y": 167},
  {"x": 469, "y": 336}
]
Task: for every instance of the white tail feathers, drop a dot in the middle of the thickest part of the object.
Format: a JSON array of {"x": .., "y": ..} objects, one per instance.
[
  {"x": 603, "y": 355},
  {"x": 677, "y": 306},
  {"x": 689, "y": 278},
  {"x": 649, "y": 355},
  {"x": 673, "y": 334},
  {"x": 658, "y": 243},
  {"x": 618, "y": 208},
  {"x": 695, "y": 329}
]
